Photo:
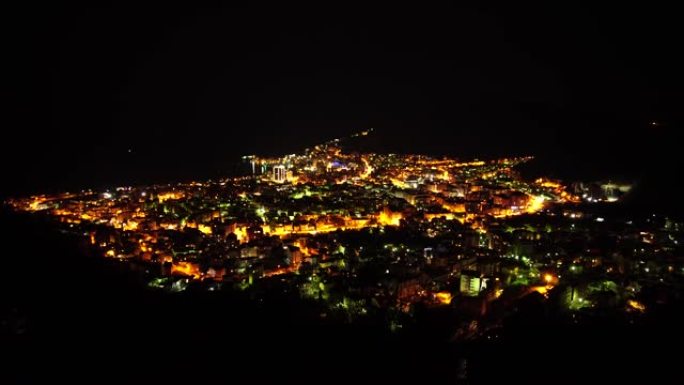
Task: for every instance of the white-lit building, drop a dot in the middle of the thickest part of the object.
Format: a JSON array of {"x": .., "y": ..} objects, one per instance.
[{"x": 279, "y": 173}]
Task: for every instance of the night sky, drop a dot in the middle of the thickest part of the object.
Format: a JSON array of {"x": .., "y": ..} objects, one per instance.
[{"x": 189, "y": 90}]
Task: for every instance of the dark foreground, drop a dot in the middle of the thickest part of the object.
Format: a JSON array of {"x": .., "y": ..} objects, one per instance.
[{"x": 69, "y": 318}]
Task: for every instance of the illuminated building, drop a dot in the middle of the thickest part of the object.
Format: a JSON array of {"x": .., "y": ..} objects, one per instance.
[
  {"x": 471, "y": 283},
  {"x": 279, "y": 173}
]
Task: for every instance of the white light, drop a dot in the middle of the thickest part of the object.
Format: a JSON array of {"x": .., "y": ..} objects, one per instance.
[{"x": 599, "y": 219}]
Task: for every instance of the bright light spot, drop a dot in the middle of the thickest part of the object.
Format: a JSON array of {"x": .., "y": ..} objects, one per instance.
[
  {"x": 636, "y": 305},
  {"x": 186, "y": 268},
  {"x": 204, "y": 228},
  {"x": 548, "y": 278},
  {"x": 536, "y": 204},
  {"x": 173, "y": 195},
  {"x": 543, "y": 290},
  {"x": 443, "y": 297},
  {"x": 389, "y": 218}
]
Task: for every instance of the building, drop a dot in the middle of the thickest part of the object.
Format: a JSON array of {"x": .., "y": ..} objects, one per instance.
[
  {"x": 428, "y": 254},
  {"x": 472, "y": 284},
  {"x": 279, "y": 173}
]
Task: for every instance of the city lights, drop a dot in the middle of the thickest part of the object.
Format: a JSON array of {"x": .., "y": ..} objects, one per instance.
[{"x": 363, "y": 233}]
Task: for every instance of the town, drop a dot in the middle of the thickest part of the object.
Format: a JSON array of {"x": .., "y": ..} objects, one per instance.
[{"x": 367, "y": 233}]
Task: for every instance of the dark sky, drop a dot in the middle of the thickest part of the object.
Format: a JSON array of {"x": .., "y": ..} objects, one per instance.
[{"x": 188, "y": 90}]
